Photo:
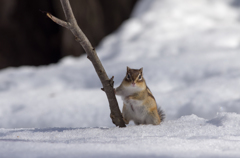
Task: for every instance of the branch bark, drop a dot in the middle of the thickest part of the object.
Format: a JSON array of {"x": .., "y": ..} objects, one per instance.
[{"x": 80, "y": 37}]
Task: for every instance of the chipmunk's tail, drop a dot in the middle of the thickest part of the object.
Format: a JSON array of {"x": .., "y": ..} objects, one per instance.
[{"x": 161, "y": 114}]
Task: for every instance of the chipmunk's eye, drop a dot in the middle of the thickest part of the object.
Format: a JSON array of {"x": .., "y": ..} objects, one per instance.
[
  {"x": 128, "y": 76},
  {"x": 140, "y": 77}
]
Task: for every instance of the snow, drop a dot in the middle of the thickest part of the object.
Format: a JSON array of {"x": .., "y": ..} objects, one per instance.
[
  {"x": 189, "y": 51},
  {"x": 189, "y": 136}
]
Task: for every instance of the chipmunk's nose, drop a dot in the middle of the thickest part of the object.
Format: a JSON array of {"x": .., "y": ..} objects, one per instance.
[{"x": 133, "y": 84}]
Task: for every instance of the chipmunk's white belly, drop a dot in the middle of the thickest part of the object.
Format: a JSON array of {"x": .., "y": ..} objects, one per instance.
[
  {"x": 136, "y": 109},
  {"x": 129, "y": 90}
]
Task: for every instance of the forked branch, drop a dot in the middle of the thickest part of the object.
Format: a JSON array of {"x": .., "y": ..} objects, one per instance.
[{"x": 80, "y": 37}]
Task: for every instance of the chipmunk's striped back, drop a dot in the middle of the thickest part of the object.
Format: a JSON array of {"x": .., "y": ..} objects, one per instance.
[{"x": 160, "y": 111}]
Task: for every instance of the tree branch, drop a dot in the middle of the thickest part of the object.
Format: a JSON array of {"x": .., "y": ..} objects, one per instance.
[{"x": 80, "y": 37}]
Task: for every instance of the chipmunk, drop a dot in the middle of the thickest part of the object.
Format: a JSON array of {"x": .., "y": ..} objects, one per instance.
[{"x": 139, "y": 104}]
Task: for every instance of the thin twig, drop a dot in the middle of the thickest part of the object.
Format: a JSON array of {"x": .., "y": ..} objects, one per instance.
[{"x": 58, "y": 21}]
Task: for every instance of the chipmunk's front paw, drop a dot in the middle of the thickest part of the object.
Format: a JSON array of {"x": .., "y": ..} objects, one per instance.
[{"x": 127, "y": 99}]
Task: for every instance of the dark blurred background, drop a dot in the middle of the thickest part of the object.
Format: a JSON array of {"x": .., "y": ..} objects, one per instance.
[{"x": 28, "y": 37}]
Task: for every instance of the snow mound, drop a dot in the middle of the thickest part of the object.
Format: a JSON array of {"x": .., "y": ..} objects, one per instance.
[
  {"x": 227, "y": 120},
  {"x": 188, "y": 136}
]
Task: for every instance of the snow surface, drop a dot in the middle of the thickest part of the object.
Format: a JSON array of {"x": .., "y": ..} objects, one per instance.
[
  {"x": 189, "y": 136},
  {"x": 189, "y": 51}
]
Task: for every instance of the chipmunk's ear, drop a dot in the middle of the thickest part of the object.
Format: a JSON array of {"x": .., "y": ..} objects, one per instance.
[
  {"x": 128, "y": 68},
  {"x": 141, "y": 70}
]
